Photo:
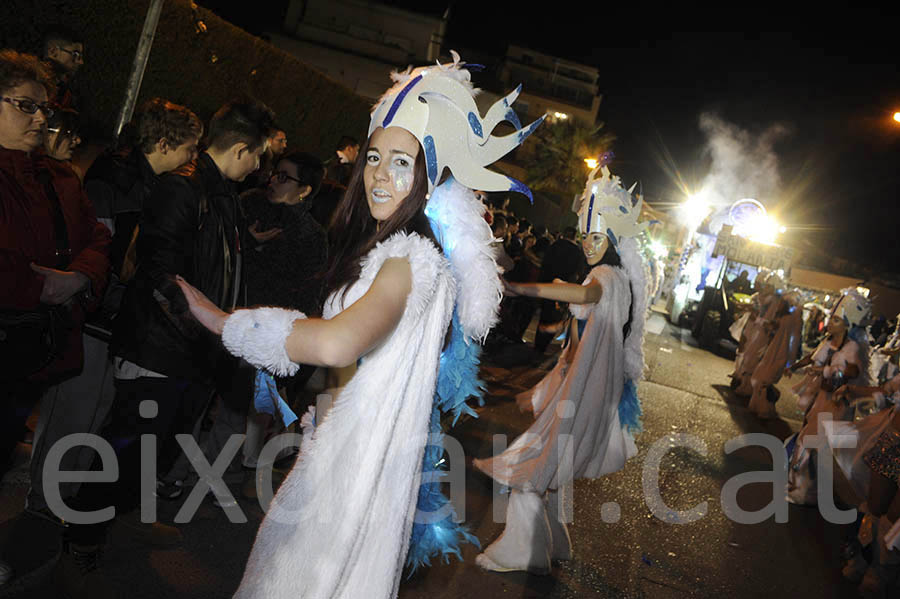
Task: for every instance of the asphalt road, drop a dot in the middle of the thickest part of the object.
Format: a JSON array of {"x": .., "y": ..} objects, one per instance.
[{"x": 621, "y": 548}]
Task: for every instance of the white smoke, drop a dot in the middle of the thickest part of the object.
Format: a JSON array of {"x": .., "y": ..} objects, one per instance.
[{"x": 742, "y": 164}]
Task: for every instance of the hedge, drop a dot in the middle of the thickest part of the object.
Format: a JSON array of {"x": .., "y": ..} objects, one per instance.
[{"x": 197, "y": 60}]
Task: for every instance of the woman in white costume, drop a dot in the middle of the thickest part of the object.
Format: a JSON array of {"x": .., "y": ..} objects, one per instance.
[
  {"x": 757, "y": 335},
  {"x": 340, "y": 524},
  {"x": 845, "y": 363},
  {"x": 586, "y": 407},
  {"x": 779, "y": 355},
  {"x": 865, "y": 453},
  {"x": 808, "y": 387},
  {"x": 864, "y": 432}
]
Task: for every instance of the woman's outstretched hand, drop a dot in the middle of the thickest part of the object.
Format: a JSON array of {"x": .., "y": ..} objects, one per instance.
[{"x": 202, "y": 308}]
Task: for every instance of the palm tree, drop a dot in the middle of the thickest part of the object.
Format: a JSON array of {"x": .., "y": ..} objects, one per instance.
[{"x": 557, "y": 169}]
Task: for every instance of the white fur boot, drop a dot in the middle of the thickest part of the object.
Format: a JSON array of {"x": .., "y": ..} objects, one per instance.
[{"x": 525, "y": 542}]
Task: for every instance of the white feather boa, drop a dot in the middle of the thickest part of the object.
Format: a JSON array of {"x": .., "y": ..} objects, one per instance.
[
  {"x": 457, "y": 217},
  {"x": 634, "y": 344}
]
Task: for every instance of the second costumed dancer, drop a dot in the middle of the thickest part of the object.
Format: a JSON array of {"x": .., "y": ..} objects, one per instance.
[
  {"x": 341, "y": 524},
  {"x": 586, "y": 408}
]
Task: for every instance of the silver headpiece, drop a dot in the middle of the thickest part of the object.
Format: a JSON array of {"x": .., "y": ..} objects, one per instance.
[{"x": 436, "y": 104}]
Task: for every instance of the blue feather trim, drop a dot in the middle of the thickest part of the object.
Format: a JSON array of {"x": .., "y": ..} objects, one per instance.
[
  {"x": 443, "y": 537},
  {"x": 630, "y": 408},
  {"x": 267, "y": 400},
  {"x": 458, "y": 375},
  {"x": 457, "y": 382}
]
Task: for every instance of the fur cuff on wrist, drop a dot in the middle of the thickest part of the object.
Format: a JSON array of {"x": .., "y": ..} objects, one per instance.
[{"x": 259, "y": 336}]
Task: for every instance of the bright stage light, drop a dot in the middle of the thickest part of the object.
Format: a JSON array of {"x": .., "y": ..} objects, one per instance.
[
  {"x": 897, "y": 116},
  {"x": 762, "y": 229},
  {"x": 591, "y": 163},
  {"x": 658, "y": 249},
  {"x": 694, "y": 211}
]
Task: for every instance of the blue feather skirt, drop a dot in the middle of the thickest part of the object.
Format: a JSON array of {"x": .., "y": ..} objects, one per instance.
[{"x": 457, "y": 382}]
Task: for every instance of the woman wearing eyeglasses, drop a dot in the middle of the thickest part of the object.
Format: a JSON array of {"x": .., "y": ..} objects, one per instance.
[
  {"x": 62, "y": 135},
  {"x": 285, "y": 251},
  {"x": 288, "y": 247},
  {"x": 53, "y": 257}
]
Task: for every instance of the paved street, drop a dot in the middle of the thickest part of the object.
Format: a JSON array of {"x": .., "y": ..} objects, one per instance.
[{"x": 639, "y": 555}]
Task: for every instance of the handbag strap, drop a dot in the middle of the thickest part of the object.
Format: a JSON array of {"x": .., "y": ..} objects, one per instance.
[{"x": 60, "y": 231}]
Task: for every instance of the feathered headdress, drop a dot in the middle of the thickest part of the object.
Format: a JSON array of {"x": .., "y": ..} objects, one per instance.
[
  {"x": 436, "y": 104},
  {"x": 853, "y": 307},
  {"x": 607, "y": 207}
]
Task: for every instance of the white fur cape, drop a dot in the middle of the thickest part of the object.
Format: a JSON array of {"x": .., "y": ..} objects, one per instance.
[{"x": 340, "y": 524}]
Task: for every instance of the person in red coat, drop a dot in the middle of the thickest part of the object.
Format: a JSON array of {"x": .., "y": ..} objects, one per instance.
[{"x": 53, "y": 252}]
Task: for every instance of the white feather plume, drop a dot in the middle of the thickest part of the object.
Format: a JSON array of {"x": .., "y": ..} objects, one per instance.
[
  {"x": 455, "y": 70},
  {"x": 458, "y": 217}
]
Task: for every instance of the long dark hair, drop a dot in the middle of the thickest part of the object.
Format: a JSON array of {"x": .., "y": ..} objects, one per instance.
[
  {"x": 611, "y": 258},
  {"x": 353, "y": 232}
]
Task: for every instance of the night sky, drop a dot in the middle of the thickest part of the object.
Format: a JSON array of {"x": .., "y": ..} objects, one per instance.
[
  {"x": 824, "y": 104},
  {"x": 819, "y": 102}
]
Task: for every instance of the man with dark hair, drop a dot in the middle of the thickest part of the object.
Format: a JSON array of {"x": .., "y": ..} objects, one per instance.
[
  {"x": 347, "y": 150},
  {"x": 191, "y": 227},
  {"x": 563, "y": 260},
  {"x": 275, "y": 147},
  {"x": 278, "y": 143},
  {"x": 524, "y": 228},
  {"x": 64, "y": 50},
  {"x": 513, "y": 244}
]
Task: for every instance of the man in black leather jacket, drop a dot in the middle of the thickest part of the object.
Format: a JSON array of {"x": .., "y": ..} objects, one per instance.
[{"x": 191, "y": 226}]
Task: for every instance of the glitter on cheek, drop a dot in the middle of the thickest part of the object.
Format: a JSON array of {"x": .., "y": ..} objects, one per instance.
[{"x": 401, "y": 177}]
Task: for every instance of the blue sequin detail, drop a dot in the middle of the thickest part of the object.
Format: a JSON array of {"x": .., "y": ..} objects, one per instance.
[
  {"x": 524, "y": 133},
  {"x": 399, "y": 100},
  {"x": 430, "y": 158},
  {"x": 612, "y": 237},
  {"x": 581, "y": 325},
  {"x": 475, "y": 123},
  {"x": 515, "y": 185},
  {"x": 513, "y": 118},
  {"x": 590, "y": 214},
  {"x": 623, "y": 209}
]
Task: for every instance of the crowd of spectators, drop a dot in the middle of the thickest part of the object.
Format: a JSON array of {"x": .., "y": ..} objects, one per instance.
[
  {"x": 94, "y": 331},
  {"x": 529, "y": 254}
]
